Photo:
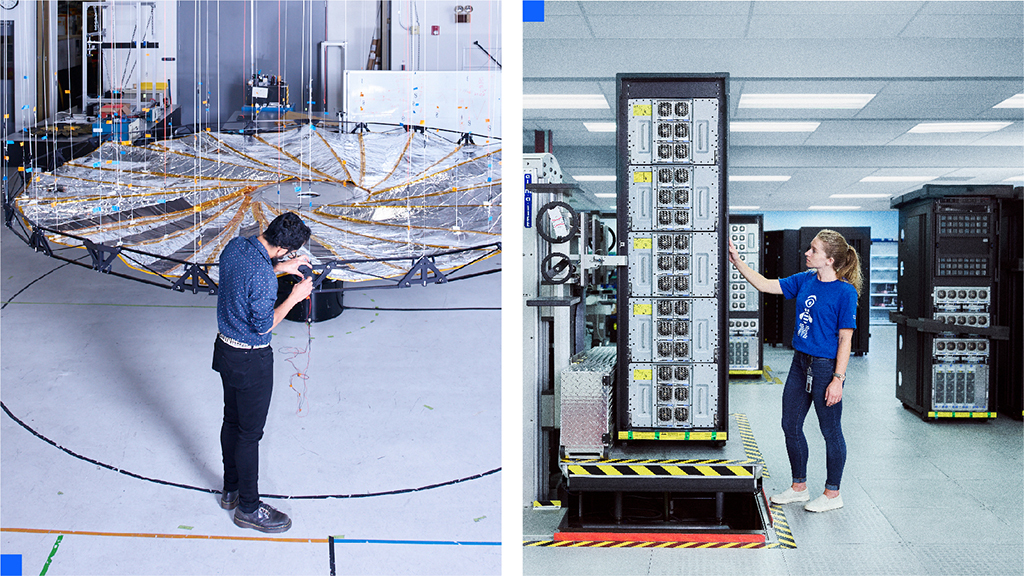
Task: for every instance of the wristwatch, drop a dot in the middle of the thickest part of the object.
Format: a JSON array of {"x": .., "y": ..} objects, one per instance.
[{"x": 841, "y": 377}]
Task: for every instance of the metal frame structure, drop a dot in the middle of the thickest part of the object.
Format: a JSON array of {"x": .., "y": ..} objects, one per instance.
[{"x": 97, "y": 39}]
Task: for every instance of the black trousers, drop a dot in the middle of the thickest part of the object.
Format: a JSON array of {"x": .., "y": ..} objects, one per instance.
[{"x": 248, "y": 378}]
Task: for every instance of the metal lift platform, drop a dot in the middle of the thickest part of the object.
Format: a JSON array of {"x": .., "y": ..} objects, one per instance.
[{"x": 669, "y": 491}]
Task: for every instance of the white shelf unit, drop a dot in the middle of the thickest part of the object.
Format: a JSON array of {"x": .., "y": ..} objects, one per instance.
[{"x": 884, "y": 272}]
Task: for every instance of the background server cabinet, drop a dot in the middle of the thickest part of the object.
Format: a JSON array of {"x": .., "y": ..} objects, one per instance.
[
  {"x": 746, "y": 335},
  {"x": 948, "y": 323}
]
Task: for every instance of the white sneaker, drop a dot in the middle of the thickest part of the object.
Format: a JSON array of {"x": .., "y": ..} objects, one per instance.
[
  {"x": 790, "y": 496},
  {"x": 824, "y": 504}
]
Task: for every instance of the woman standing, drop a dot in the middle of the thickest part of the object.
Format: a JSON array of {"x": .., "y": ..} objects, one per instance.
[{"x": 826, "y": 317}]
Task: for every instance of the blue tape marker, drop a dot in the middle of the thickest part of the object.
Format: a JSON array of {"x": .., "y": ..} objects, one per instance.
[
  {"x": 96, "y": 209},
  {"x": 114, "y": 208},
  {"x": 528, "y": 204}
]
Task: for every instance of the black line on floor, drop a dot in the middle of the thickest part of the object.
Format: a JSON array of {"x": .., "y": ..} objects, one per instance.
[
  {"x": 214, "y": 491},
  {"x": 34, "y": 281}
]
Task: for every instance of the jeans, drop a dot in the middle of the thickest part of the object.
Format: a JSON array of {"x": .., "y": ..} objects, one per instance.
[
  {"x": 248, "y": 379},
  {"x": 796, "y": 402}
]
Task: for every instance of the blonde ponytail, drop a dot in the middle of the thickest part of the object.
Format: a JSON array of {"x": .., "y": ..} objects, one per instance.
[{"x": 846, "y": 261}]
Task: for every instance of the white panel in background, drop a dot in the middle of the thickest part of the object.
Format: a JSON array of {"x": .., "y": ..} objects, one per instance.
[{"x": 459, "y": 101}]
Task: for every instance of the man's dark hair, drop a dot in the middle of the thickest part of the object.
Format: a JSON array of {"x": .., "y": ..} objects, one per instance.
[{"x": 287, "y": 231}]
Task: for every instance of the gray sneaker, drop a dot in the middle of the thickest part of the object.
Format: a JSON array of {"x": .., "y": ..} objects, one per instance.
[{"x": 265, "y": 519}]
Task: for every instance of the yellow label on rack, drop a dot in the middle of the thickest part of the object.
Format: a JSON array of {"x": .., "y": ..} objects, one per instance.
[
  {"x": 643, "y": 374},
  {"x": 642, "y": 309},
  {"x": 645, "y": 176},
  {"x": 641, "y": 110},
  {"x": 642, "y": 244}
]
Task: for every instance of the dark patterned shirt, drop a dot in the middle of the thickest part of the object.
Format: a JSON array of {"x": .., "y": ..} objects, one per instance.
[{"x": 246, "y": 291}]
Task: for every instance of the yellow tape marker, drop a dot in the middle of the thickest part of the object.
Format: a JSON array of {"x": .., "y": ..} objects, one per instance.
[
  {"x": 642, "y": 110},
  {"x": 643, "y": 374},
  {"x": 645, "y": 176},
  {"x": 642, "y": 244},
  {"x": 643, "y": 309}
]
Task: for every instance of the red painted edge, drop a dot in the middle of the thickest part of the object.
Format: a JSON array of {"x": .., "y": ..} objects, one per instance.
[{"x": 655, "y": 537}]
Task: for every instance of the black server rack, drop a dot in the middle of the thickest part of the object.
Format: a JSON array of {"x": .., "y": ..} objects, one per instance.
[
  {"x": 671, "y": 164},
  {"x": 947, "y": 307},
  {"x": 782, "y": 257},
  {"x": 1010, "y": 297},
  {"x": 746, "y": 324}
]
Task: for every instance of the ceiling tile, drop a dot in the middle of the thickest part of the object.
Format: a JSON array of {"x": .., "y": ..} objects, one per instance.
[
  {"x": 652, "y": 26},
  {"x": 857, "y": 133},
  {"x": 560, "y": 27},
  {"x": 767, "y": 138},
  {"x": 999, "y": 7},
  {"x": 965, "y": 26},
  {"x": 671, "y": 7},
  {"x": 817, "y": 7},
  {"x": 825, "y": 26}
]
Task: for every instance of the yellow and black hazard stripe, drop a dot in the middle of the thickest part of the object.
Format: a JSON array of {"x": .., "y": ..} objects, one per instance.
[
  {"x": 658, "y": 470},
  {"x": 547, "y": 504},
  {"x": 655, "y": 461},
  {"x": 961, "y": 414},
  {"x": 749, "y": 444},
  {"x": 639, "y": 544},
  {"x": 782, "y": 531},
  {"x": 672, "y": 435}
]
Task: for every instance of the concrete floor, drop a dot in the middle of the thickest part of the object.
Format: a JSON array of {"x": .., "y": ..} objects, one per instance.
[
  {"x": 943, "y": 497},
  {"x": 119, "y": 372}
]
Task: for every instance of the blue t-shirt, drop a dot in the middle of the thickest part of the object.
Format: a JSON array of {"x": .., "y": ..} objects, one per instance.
[
  {"x": 246, "y": 292},
  {"x": 822, "y": 310}
]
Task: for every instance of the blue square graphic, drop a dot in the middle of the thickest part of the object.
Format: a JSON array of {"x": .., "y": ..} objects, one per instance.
[
  {"x": 533, "y": 10},
  {"x": 10, "y": 564}
]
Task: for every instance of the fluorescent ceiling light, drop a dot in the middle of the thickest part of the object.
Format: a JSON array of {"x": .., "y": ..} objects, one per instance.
[
  {"x": 605, "y": 194},
  {"x": 773, "y": 126},
  {"x": 744, "y": 207},
  {"x": 952, "y": 127},
  {"x": 837, "y": 101},
  {"x": 564, "y": 101},
  {"x": 860, "y": 196},
  {"x": 1015, "y": 178},
  {"x": 1015, "y": 101},
  {"x": 595, "y": 178},
  {"x": 897, "y": 178},
  {"x": 735, "y": 178},
  {"x": 833, "y": 207},
  {"x": 600, "y": 126}
]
